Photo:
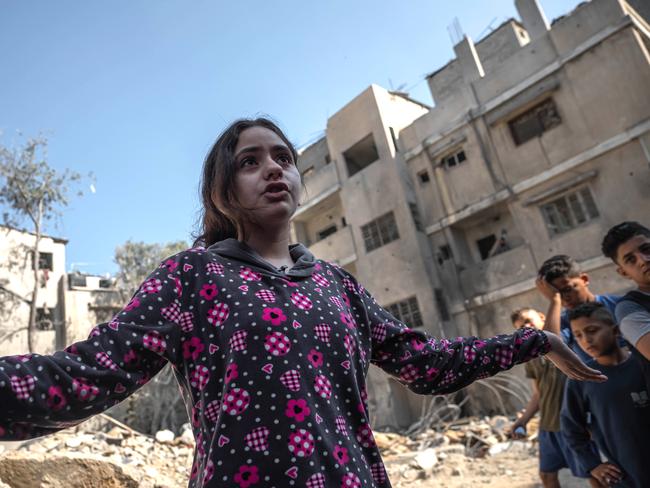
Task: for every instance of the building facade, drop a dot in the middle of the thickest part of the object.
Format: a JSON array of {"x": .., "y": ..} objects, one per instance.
[
  {"x": 68, "y": 304},
  {"x": 539, "y": 141}
]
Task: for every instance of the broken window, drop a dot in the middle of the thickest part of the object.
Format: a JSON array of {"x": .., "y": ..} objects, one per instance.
[
  {"x": 534, "y": 122},
  {"x": 44, "y": 319},
  {"x": 407, "y": 311},
  {"x": 453, "y": 159},
  {"x": 361, "y": 155},
  {"x": 328, "y": 231},
  {"x": 380, "y": 231},
  {"x": 485, "y": 245},
  {"x": 76, "y": 280},
  {"x": 423, "y": 176},
  {"x": 105, "y": 283},
  {"x": 569, "y": 211},
  {"x": 444, "y": 253},
  {"x": 45, "y": 260}
]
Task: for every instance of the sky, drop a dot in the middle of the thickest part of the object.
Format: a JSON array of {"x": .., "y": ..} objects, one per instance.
[{"x": 136, "y": 92}]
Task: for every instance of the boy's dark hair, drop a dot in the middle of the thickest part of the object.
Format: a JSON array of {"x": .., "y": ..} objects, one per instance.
[
  {"x": 593, "y": 310},
  {"x": 560, "y": 266},
  {"x": 619, "y": 234},
  {"x": 518, "y": 314}
]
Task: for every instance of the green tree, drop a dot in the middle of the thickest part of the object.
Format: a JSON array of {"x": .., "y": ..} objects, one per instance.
[
  {"x": 32, "y": 193},
  {"x": 157, "y": 405},
  {"x": 136, "y": 260}
]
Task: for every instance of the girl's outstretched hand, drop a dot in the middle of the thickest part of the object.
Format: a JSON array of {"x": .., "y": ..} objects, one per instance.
[{"x": 570, "y": 364}]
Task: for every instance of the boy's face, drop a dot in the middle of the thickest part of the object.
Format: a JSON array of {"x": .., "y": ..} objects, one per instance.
[
  {"x": 529, "y": 318},
  {"x": 573, "y": 291},
  {"x": 595, "y": 337},
  {"x": 633, "y": 259}
]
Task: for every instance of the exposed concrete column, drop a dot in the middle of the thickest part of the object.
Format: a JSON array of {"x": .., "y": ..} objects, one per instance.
[
  {"x": 533, "y": 18},
  {"x": 470, "y": 63}
]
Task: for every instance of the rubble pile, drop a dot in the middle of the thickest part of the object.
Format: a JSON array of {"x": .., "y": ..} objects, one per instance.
[
  {"x": 118, "y": 457},
  {"x": 468, "y": 451}
]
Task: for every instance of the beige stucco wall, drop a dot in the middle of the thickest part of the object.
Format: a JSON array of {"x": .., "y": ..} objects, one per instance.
[
  {"x": 594, "y": 64},
  {"x": 16, "y": 275}
]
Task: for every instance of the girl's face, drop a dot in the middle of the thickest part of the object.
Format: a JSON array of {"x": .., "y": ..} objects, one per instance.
[{"x": 267, "y": 181}]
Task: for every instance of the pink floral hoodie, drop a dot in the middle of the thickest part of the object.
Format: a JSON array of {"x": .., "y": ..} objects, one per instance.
[{"x": 271, "y": 364}]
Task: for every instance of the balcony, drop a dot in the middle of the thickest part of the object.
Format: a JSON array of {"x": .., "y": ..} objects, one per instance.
[
  {"x": 319, "y": 185},
  {"x": 498, "y": 272},
  {"x": 337, "y": 248}
]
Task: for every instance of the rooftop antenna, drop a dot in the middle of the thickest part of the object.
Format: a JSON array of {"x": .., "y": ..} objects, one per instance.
[
  {"x": 488, "y": 29},
  {"x": 455, "y": 31}
]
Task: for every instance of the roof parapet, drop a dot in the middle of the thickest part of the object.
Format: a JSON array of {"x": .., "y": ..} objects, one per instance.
[
  {"x": 533, "y": 18},
  {"x": 470, "y": 63}
]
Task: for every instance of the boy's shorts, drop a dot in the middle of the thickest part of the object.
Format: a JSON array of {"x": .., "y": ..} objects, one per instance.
[{"x": 554, "y": 454}]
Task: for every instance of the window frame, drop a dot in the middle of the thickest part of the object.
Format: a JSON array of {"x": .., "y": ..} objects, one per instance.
[
  {"x": 454, "y": 155},
  {"x": 537, "y": 118},
  {"x": 380, "y": 231},
  {"x": 43, "y": 256},
  {"x": 560, "y": 213},
  {"x": 407, "y": 311}
]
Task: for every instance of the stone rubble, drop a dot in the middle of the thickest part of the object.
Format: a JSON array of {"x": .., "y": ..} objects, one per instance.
[{"x": 114, "y": 456}]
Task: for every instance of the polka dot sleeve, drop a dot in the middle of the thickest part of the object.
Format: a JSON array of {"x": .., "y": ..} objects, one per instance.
[
  {"x": 434, "y": 366},
  {"x": 41, "y": 394}
]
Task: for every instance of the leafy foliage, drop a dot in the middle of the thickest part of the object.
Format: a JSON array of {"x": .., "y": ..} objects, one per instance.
[
  {"x": 157, "y": 405},
  {"x": 32, "y": 191},
  {"x": 136, "y": 260}
]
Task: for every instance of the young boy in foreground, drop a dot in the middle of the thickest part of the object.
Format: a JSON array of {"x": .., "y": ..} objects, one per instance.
[
  {"x": 616, "y": 413},
  {"x": 548, "y": 389},
  {"x": 564, "y": 284},
  {"x": 628, "y": 245}
]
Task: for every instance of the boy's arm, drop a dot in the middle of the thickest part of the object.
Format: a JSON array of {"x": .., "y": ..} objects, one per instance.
[
  {"x": 554, "y": 312},
  {"x": 634, "y": 322},
  {"x": 532, "y": 407},
  {"x": 643, "y": 346},
  {"x": 573, "y": 420}
]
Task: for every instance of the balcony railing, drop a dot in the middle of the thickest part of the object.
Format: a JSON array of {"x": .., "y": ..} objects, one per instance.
[
  {"x": 319, "y": 185},
  {"x": 337, "y": 248},
  {"x": 497, "y": 272}
]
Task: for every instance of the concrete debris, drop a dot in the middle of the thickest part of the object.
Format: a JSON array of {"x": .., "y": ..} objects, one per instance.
[
  {"x": 111, "y": 455},
  {"x": 450, "y": 452},
  {"x": 165, "y": 436},
  {"x": 426, "y": 459}
]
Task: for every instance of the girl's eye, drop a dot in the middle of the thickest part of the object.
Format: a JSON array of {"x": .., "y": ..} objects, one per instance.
[
  {"x": 285, "y": 159},
  {"x": 247, "y": 162}
]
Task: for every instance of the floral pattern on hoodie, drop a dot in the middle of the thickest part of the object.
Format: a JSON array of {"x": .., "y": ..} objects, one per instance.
[{"x": 272, "y": 366}]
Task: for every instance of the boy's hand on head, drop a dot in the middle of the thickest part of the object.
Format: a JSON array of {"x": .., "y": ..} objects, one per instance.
[
  {"x": 607, "y": 474},
  {"x": 566, "y": 361},
  {"x": 546, "y": 289}
]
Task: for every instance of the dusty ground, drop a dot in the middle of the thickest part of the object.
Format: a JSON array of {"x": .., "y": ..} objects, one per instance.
[
  {"x": 503, "y": 470},
  {"x": 474, "y": 454}
]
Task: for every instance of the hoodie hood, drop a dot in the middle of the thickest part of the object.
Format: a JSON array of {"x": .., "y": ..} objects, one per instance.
[{"x": 232, "y": 248}]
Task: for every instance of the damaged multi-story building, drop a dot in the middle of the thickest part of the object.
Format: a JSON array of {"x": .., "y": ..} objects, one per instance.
[
  {"x": 68, "y": 304},
  {"x": 539, "y": 141}
]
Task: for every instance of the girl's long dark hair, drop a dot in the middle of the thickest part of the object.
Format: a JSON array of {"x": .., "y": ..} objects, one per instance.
[{"x": 220, "y": 215}]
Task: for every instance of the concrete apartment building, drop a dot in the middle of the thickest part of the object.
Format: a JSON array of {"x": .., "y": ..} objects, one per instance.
[
  {"x": 539, "y": 141},
  {"x": 68, "y": 304}
]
